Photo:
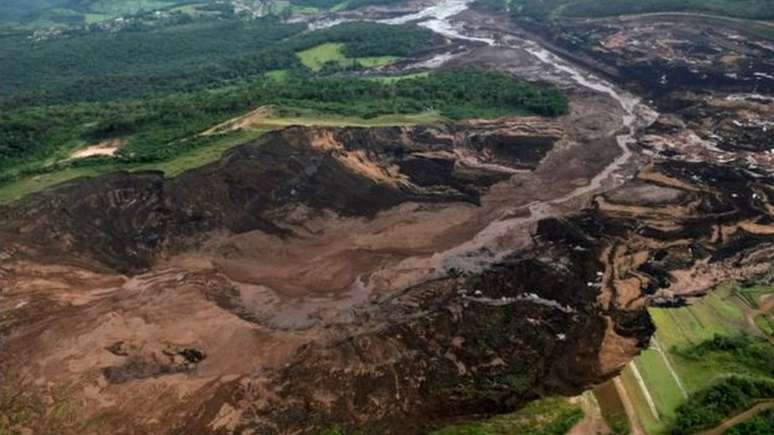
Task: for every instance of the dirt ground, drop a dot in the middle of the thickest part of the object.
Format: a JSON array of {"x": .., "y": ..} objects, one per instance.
[{"x": 241, "y": 317}]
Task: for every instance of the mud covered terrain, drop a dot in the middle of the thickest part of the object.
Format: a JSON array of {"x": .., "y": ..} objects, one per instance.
[
  {"x": 389, "y": 279},
  {"x": 663, "y": 54}
]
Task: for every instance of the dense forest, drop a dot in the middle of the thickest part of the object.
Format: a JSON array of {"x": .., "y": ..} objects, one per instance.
[
  {"x": 156, "y": 84},
  {"x": 729, "y": 396},
  {"x": 101, "y": 66},
  {"x": 160, "y": 127},
  {"x": 74, "y": 11}
]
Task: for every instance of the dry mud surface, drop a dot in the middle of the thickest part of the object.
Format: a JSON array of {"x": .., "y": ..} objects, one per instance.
[{"x": 385, "y": 279}]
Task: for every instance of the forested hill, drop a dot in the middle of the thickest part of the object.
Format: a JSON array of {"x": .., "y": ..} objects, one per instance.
[
  {"x": 75, "y": 11},
  {"x": 203, "y": 53}
]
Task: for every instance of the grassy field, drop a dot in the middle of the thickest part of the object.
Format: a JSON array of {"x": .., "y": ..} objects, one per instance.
[
  {"x": 680, "y": 361},
  {"x": 765, "y": 323},
  {"x": 549, "y": 416},
  {"x": 316, "y": 57}
]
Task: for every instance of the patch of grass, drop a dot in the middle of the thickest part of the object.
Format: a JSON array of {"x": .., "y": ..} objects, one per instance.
[
  {"x": 550, "y": 416},
  {"x": 306, "y": 117},
  {"x": 661, "y": 385},
  {"x": 95, "y": 18},
  {"x": 719, "y": 313},
  {"x": 618, "y": 425},
  {"x": 765, "y": 323},
  {"x": 203, "y": 155},
  {"x": 376, "y": 61},
  {"x": 316, "y": 57},
  {"x": 754, "y": 294},
  {"x": 194, "y": 158},
  {"x": 649, "y": 422}
]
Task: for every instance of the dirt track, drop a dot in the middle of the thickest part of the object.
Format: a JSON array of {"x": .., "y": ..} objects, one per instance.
[{"x": 739, "y": 418}]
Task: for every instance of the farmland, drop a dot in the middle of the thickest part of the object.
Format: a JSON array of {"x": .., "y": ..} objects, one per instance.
[{"x": 694, "y": 348}]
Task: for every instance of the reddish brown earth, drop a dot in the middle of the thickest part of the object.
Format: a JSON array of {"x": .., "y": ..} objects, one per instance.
[{"x": 385, "y": 279}]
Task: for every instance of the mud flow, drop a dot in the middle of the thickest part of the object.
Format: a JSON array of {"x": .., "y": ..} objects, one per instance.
[{"x": 391, "y": 279}]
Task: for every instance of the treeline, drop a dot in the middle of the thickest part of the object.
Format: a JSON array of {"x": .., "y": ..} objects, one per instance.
[
  {"x": 344, "y": 4},
  {"x": 364, "y": 39},
  {"x": 753, "y": 353},
  {"x": 157, "y": 126},
  {"x": 104, "y": 66},
  {"x": 455, "y": 94},
  {"x": 726, "y": 398}
]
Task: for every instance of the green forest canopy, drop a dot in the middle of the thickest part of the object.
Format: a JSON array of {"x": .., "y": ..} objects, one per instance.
[
  {"x": 156, "y": 126},
  {"x": 100, "y": 66}
]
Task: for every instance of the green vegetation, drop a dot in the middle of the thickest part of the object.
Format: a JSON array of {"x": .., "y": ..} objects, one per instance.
[
  {"x": 156, "y": 84},
  {"x": 39, "y": 140},
  {"x": 660, "y": 383},
  {"x": 765, "y": 323},
  {"x": 754, "y": 293},
  {"x": 314, "y": 58},
  {"x": 101, "y": 66},
  {"x": 318, "y": 57},
  {"x": 363, "y": 39},
  {"x": 740, "y": 353},
  {"x": 550, "y": 416},
  {"x": 695, "y": 348},
  {"x": 339, "y": 5},
  {"x": 708, "y": 407},
  {"x": 158, "y": 128},
  {"x": 542, "y": 9},
  {"x": 209, "y": 150},
  {"x": 719, "y": 313},
  {"x": 63, "y": 12},
  {"x": 761, "y": 424}
]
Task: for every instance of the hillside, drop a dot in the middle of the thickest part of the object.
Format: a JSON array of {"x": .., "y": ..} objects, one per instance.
[{"x": 447, "y": 217}]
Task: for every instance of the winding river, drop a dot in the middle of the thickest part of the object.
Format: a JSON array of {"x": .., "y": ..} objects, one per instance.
[
  {"x": 440, "y": 19},
  {"x": 482, "y": 250}
]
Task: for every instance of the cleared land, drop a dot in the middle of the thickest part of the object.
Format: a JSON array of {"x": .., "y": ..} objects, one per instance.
[{"x": 317, "y": 57}]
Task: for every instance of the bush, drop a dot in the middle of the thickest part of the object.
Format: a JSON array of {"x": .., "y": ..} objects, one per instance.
[{"x": 710, "y": 406}]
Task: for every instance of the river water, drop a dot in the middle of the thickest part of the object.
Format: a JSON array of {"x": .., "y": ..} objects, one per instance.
[
  {"x": 440, "y": 19},
  {"x": 482, "y": 250}
]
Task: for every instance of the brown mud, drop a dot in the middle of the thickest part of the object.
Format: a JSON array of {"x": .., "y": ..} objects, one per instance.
[{"x": 385, "y": 279}]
